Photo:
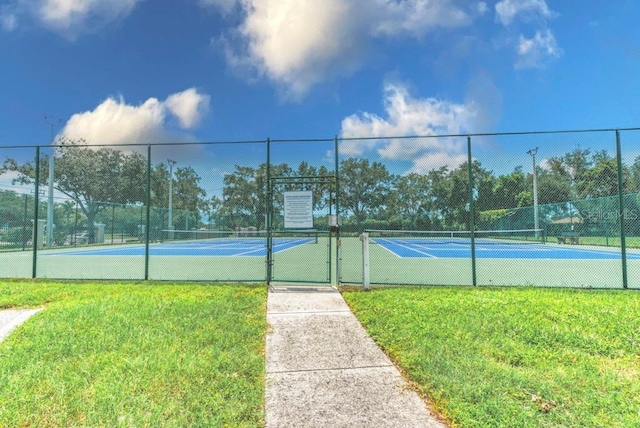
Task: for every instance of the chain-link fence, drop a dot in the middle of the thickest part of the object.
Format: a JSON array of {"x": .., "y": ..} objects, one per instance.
[
  {"x": 544, "y": 209},
  {"x": 301, "y": 201}
]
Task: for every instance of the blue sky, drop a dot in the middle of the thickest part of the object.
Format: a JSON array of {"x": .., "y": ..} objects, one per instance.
[{"x": 164, "y": 71}]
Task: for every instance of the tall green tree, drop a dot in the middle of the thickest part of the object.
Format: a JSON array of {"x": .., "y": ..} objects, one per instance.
[
  {"x": 411, "y": 199},
  {"x": 15, "y": 215},
  {"x": 189, "y": 197},
  {"x": 439, "y": 209},
  {"x": 12, "y": 208},
  {"x": 602, "y": 178},
  {"x": 244, "y": 196},
  {"x": 364, "y": 187},
  {"x": 318, "y": 181},
  {"x": 551, "y": 188},
  {"x": 93, "y": 178},
  {"x": 212, "y": 211},
  {"x": 96, "y": 178},
  {"x": 482, "y": 183},
  {"x": 243, "y": 199},
  {"x": 634, "y": 182},
  {"x": 160, "y": 185},
  {"x": 576, "y": 164},
  {"x": 511, "y": 190}
]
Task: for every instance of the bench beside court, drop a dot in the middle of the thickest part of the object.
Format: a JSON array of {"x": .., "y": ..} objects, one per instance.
[{"x": 572, "y": 237}]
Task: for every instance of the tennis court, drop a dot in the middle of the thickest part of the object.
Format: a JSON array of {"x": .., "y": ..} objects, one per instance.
[
  {"x": 226, "y": 247},
  {"x": 393, "y": 260},
  {"x": 197, "y": 255},
  {"x": 527, "y": 244},
  {"x": 418, "y": 248},
  {"x": 515, "y": 257}
]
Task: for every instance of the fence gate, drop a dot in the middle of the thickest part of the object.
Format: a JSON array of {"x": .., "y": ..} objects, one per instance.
[{"x": 299, "y": 238}]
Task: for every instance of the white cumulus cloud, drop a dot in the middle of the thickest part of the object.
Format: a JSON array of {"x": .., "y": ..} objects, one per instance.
[
  {"x": 115, "y": 122},
  {"x": 537, "y": 51},
  {"x": 188, "y": 106},
  {"x": 415, "y": 17},
  {"x": 534, "y": 52},
  {"x": 299, "y": 43},
  {"x": 409, "y": 116},
  {"x": 71, "y": 17},
  {"x": 508, "y": 10}
]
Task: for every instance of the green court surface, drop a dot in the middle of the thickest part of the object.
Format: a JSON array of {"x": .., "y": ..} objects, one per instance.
[
  {"x": 387, "y": 268},
  {"x": 304, "y": 263},
  {"x": 316, "y": 263}
]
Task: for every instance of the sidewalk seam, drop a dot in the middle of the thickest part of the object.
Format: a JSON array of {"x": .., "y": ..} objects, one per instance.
[
  {"x": 332, "y": 369},
  {"x": 342, "y": 311}
]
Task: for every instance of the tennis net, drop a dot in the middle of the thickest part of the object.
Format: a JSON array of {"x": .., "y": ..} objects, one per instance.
[
  {"x": 169, "y": 235},
  {"x": 460, "y": 237}
]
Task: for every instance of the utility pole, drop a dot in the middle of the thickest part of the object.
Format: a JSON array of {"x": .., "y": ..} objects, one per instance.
[
  {"x": 50, "y": 120},
  {"x": 536, "y": 221},
  {"x": 171, "y": 163}
]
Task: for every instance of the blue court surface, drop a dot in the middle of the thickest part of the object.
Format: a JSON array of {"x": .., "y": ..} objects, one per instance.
[
  {"x": 228, "y": 247},
  {"x": 406, "y": 248}
]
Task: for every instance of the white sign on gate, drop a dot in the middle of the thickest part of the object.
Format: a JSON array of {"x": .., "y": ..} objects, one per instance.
[{"x": 298, "y": 210}]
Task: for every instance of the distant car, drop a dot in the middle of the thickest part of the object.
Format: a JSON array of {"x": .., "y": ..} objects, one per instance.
[{"x": 81, "y": 238}]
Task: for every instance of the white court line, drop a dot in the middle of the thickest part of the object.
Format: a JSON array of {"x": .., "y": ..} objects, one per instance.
[
  {"x": 462, "y": 247},
  {"x": 411, "y": 248},
  {"x": 505, "y": 248},
  {"x": 291, "y": 244}
]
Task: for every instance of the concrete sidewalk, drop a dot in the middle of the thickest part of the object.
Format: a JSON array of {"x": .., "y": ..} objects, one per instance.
[
  {"x": 12, "y": 318},
  {"x": 323, "y": 370}
]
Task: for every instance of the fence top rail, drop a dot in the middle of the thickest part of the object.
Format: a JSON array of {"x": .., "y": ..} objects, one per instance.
[
  {"x": 184, "y": 143},
  {"x": 307, "y": 140},
  {"x": 493, "y": 134},
  {"x": 304, "y": 140}
]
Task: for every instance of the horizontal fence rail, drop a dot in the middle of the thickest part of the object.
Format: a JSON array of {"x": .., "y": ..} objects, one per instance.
[{"x": 552, "y": 209}]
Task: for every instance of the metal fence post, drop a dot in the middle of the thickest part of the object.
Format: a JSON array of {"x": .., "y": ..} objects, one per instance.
[
  {"x": 268, "y": 219},
  {"x": 623, "y": 240},
  {"x": 472, "y": 225},
  {"x": 337, "y": 190},
  {"x": 148, "y": 216},
  {"x": 366, "y": 281},
  {"x": 36, "y": 198}
]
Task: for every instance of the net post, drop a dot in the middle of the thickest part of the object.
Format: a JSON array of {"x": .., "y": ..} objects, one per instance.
[{"x": 366, "y": 283}]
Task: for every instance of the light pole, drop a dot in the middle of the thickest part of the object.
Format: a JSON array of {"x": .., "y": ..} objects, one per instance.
[
  {"x": 52, "y": 125},
  {"x": 171, "y": 163},
  {"x": 536, "y": 222}
]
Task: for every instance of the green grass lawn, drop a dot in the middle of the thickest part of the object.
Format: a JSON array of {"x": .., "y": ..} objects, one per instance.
[
  {"x": 134, "y": 354},
  {"x": 611, "y": 241},
  {"x": 513, "y": 357}
]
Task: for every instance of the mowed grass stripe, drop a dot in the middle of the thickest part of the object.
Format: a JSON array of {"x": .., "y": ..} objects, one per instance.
[
  {"x": 134, "y": 355},
  {"x": 520, "y": 357}
]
